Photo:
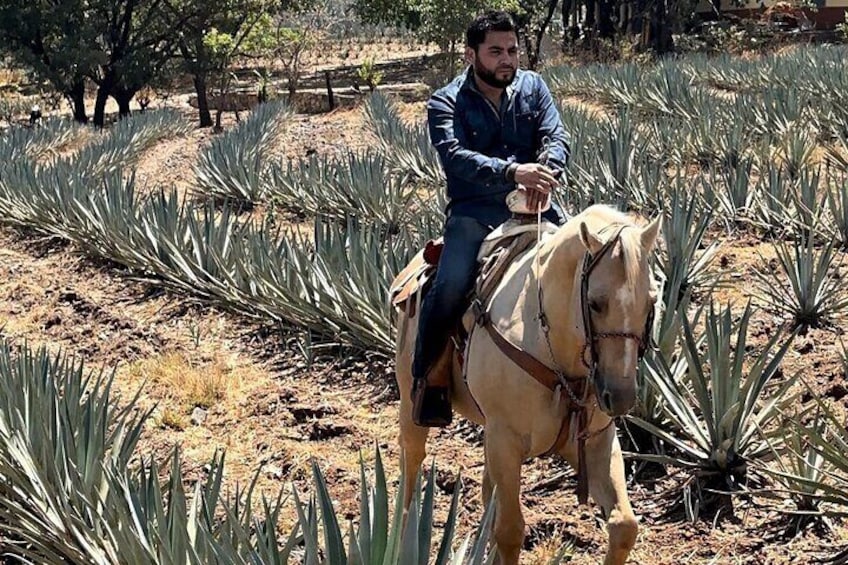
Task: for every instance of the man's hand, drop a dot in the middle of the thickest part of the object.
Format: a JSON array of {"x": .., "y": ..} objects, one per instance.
[
  {"x": 536, "y": 200},
  {"x": 538, "y": 180},
  {"x": 536, "y": 177}
]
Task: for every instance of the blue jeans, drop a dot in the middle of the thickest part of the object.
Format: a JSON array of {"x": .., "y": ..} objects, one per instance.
[{"x": 446, "y": 300}]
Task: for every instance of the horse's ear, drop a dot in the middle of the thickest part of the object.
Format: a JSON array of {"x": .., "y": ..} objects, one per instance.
[
  {"x": 592, "y": 242},
  {"x": 650, "y": 233}
]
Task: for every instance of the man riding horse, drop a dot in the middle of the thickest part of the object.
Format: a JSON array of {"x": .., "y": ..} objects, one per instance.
[{"x": 489, "y": 126}]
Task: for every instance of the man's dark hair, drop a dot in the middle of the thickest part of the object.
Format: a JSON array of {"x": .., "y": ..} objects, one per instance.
[{"x": 492, "y": 20}]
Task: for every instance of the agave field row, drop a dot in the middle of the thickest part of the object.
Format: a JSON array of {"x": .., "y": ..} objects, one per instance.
[
  {"x": 744, "y": 150},
  {"x": 73, "y": 491}
]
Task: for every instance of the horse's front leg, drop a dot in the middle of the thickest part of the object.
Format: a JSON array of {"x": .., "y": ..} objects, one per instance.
[
  {"x": 504, "y": 455},
  {"x": 608, "y": 487}
]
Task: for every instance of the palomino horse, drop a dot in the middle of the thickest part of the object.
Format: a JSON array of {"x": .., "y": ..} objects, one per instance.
[{"x": 596, "y": 299}]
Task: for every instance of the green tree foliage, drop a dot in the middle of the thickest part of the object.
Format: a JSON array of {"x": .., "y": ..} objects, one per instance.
[
  {"x": 443, "y": 22},
  {"x": 216, "y": 35},
  {"x": 211, "y": 38},
  {"x": 137, "y": 41},
  {"x": 121, "y": 45},
  {"x": 50, "y": 38}
]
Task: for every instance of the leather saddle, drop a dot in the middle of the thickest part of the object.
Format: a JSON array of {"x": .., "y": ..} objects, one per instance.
[
  {"x": 416, "y": 277},
  {"x": 502, "y": 246}
]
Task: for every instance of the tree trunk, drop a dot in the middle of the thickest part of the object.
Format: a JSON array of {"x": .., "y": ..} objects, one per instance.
[
  {"x": 123, "y": 97},
  {"x": 606, "y": 29},
  {"x": 589, "y": 24},
  {"x": 202, "y": 99},
  {"x": 662, "y": 40},
  {"x": 637, "y": 15},
  {"x": 535, "y": 54},
  {"x": 716, "y": 4},
  {"x": 566, "y": 23},
  {"x": 103, "y": 91},
  {"x": 218, "y": 113},
  {"x": 76, "y": 95}
]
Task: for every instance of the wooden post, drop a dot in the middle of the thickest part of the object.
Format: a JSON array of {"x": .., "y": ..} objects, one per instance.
[{"x": 329, "y": 90}]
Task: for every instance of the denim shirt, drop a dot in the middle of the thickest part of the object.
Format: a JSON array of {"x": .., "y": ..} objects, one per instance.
[{"x": 476, "y": 141}]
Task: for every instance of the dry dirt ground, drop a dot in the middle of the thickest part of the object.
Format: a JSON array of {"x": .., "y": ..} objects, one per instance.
[{"x": 260, "y": 400}]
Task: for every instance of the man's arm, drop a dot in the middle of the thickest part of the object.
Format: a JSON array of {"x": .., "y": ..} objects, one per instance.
[
  {"x": 487, "y": 173},
  {"x": 550, "y": 127}
]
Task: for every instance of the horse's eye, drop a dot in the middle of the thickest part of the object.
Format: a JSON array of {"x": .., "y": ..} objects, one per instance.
[{"x": 596, "y": 306}]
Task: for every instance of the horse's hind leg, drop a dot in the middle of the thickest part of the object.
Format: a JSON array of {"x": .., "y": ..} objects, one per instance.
[
  {"x": 607, "y": 485},
  {"x": 504, "y": 456}
]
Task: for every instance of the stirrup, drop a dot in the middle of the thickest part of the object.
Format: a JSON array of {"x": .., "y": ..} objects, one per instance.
[{"x": 431, "y": 405}]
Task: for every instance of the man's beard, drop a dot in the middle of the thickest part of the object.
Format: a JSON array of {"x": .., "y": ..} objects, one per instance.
[{"x": 490, "y": 77}]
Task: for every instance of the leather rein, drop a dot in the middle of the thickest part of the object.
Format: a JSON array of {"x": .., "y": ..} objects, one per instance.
[{"x": 557, "y": 381}]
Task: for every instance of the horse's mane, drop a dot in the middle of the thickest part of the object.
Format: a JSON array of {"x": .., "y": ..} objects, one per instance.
[{"x": 630, "y": 244}]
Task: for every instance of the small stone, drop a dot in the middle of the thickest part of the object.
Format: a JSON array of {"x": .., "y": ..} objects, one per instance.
[
  {"x": 275, "y": 472},
  {"x": 198, "y": 416},
  {"x": 55, "y": 319}
]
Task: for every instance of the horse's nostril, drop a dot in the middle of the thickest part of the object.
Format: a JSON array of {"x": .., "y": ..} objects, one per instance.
[{"x": 607, "y": 399}]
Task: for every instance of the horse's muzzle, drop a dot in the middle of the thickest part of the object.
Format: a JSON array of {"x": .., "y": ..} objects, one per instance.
[{"x": 615, "y": 400}]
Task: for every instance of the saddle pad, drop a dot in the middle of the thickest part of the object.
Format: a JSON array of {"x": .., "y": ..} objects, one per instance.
[{"x": 510, "y": 229}]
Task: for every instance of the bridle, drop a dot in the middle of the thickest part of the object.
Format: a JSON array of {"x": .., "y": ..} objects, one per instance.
[{"x": 591, "y": 337}]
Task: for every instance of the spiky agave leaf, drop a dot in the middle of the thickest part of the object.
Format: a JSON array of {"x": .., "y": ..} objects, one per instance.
[
  {"x": 60, "y": 435},
  {"x": 802, "y": 285},
  {"x": 799, "y": 470},
  {"x": 407, "y": 148},
  {"x": 683, "y": 261},
  {"x": 837, "y": 207},
  {"x": 358, "y": 185}
]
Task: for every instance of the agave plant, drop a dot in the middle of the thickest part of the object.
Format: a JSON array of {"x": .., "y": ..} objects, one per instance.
[
  {"x": 837, "y": 206},
  {"x": 36, "y": 143},
  {"x": 611, "y": 173},
  {"x": 61, "y": 435},
  {"x": 801, "y": 472},
  {"x": 650, "y": 408},
  {"x": 359, "y": 185},
  {"x": 772, "y": 207},
  {"x": 717, "y": 412},
  {"x": 802, "y": 285},
  {"x": 70, "y": 491},
  {"x": 797, "y": 150},
  {"x": 808, "y": 207},
  {"x": 381, "y": 537},
  {"x": 815, "y": 471},
  {"x": 683, "y": 263},
  {"x": 400, "y": 538},
  {"x": 407, "y": 148},
  {"x": 334, "y": 284},
  {"x": 123, "y": 143},
  {"x": 73, "y": 490},
  {"x": 234, "y": 165},
  {"x": 731, "y": 191}
]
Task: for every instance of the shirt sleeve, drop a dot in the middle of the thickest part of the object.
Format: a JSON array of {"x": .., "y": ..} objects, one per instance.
[
  {"x": 485, "y": 173},
  {"x": 550, "y": 127}
]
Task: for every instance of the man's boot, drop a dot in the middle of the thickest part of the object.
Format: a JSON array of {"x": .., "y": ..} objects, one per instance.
[{"x": 431, "y": 402}]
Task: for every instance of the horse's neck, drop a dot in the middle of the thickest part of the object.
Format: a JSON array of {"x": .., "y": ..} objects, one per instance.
[
  {"x": 515, "y": 307},
  {"x": 560, "y": 260}
]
